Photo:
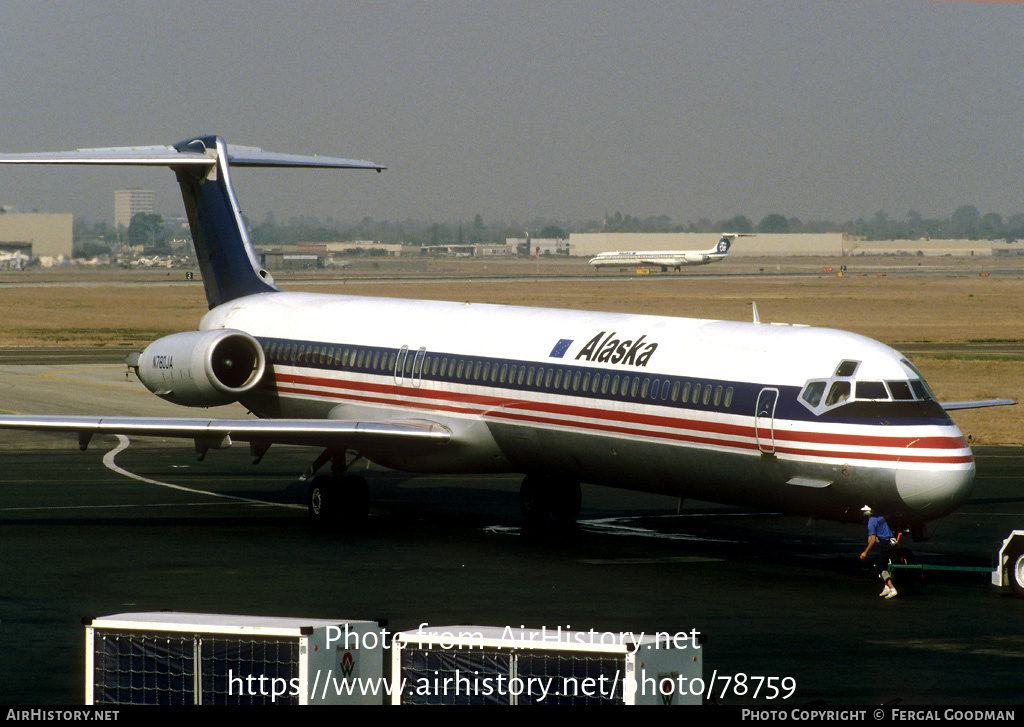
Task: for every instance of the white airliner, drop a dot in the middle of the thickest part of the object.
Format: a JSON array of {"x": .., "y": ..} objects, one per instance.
[
  {"x": 666, "y": 259},
  {"x": 806, "y": 420}
]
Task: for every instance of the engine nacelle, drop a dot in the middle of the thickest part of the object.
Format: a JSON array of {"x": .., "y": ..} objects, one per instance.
[{"x": 203, "y": 368}]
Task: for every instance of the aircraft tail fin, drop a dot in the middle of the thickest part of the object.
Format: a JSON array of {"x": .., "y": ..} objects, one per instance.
[
  {"x": 725, "y": 242},
  {"x": 226, "y": 257}
]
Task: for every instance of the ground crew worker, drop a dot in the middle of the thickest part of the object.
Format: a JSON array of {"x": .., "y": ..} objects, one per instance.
[{"x": 879, "y": 539}]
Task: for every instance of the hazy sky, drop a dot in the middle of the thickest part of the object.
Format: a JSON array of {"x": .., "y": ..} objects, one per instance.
[{"x": 823, "y": 109}]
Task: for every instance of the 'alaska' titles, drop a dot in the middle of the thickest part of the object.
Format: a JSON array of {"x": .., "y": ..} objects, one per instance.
[{"x": 609, "y": 349}]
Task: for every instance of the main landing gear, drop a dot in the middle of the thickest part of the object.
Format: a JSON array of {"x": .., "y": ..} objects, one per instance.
[
  {"x": 549, "y": 504},
  {"x": 337, "y": 499}
]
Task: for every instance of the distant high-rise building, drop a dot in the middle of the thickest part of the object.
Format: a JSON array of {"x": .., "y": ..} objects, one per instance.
[{"x": 130, "y": 202}]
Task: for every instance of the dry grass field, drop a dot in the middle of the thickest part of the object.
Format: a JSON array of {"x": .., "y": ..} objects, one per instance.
[{"x": 895, "y": 300}]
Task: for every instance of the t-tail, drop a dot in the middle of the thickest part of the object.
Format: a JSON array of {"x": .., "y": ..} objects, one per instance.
[
  {"x": 226, "y": 257},
  {"x": 722, "y": 248}
]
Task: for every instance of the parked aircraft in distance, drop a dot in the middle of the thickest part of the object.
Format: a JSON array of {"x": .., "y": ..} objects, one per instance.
[
  {"x": 14, "y": 260},
  {"x": 806, "y": 420},
  {"x": 666, "y": 259}
]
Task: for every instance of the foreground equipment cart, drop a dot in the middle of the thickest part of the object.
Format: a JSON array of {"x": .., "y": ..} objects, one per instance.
[
  {"x": 194, "y": 658},
  {"x": 1010, "y": 564},
  {"x": 490, "y": 665}
]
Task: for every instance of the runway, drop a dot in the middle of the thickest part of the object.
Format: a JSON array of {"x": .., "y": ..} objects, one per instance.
[{"x": 83, "y": 535}]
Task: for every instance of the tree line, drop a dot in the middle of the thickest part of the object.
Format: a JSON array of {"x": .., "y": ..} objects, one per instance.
[{"x": 150, "y": 231}]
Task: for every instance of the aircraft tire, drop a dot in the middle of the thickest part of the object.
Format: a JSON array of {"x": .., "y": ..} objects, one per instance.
[
  {"x": 355, "y": 496},
  {"x": 319, "y": 498},
  {"x": 532, "y": 502},
  {"x": 1015, "y": 567},
  {"x": 548, "y": 503},
  {"x": 566, "y": 503},
  {"x": 343, "y": 502}
]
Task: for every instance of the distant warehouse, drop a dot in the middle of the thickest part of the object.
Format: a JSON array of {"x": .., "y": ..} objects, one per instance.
[
  {"x": 830, "y": 244},
  {"x": 37, "y": 235}
]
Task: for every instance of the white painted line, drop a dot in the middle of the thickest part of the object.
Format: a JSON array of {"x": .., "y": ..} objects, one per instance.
[{"x": 123, "y": 444}]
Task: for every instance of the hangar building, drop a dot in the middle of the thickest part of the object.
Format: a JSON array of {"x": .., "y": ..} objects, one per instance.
[{"x": 39, "y": 235}]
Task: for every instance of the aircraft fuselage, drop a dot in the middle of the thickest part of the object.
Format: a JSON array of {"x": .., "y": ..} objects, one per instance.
[{"x": 738, "y": 413}]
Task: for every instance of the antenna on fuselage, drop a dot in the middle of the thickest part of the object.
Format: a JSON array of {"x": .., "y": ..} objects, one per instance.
[{"x": 757, "y": 318}]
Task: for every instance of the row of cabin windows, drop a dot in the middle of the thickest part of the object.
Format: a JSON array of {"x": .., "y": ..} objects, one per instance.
[{"x": 543, "y": 377}]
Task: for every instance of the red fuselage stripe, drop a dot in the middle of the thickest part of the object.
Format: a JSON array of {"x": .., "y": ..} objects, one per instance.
[{"x": 687, "y": 430}]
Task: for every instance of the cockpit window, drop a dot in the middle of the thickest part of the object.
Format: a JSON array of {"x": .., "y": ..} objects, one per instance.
[
  {"x": 812, "y": 392},
  {"x": 847, "y": 368},
  {"x": 900, "y": 390},
  {"x": 839, "y": 392},
  {"x": 921, "y": 389},
  {"x": 850, "y": 397},
  {"x": 871, "y": 390}
]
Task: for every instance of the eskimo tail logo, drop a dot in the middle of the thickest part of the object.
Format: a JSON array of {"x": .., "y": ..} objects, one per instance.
[
  {"x": 348, "y": 663},
  {"x": 667, "y": 687},
  {"x": 609, "y": 349},
  {"x": 723, "y": 245}
]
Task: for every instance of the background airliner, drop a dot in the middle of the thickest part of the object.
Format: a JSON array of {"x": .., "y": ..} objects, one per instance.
[
  {"x": 666, "y": 259},
  {"x": 813, "y": 421}
]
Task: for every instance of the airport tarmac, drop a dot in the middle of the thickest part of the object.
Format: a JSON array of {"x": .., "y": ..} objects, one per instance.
[{"x": 83, "y": 535}]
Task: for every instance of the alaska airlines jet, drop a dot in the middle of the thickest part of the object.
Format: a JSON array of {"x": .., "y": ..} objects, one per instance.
[
  {"x": 666, "y": 259},
  {"x": 807, "y": 420}
]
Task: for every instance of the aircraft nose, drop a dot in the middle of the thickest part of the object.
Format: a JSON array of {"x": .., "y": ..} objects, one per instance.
[{"x": 934, "y": 492}]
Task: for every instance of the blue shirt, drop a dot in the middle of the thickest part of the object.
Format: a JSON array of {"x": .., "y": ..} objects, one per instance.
[{"x": 879, "y": 528}]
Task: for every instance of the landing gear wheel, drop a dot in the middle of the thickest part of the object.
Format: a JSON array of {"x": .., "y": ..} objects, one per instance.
[
  {"x": 318, "y": 498},
  {"x": 344, "y": 502},
  {"x": 549, "y": 504},
  {"x": 356, "y": 501},
  {"x": 1015, "y": 567}
]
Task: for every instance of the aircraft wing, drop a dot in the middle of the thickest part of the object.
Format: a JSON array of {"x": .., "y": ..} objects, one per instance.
[
  {"x": 409, "y": 435},
  {"x": 950, "y": 405}
]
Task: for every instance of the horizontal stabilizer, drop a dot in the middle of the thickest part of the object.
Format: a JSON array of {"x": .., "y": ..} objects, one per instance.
[
  {"x": 250, "y": 156},
  {"x": 193, "y": 154}
]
